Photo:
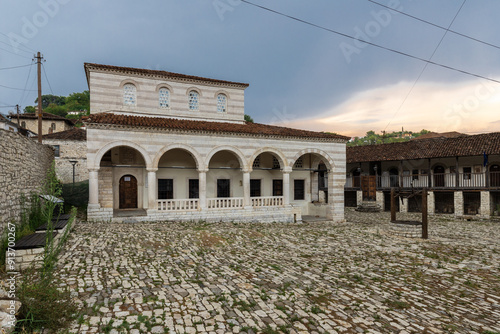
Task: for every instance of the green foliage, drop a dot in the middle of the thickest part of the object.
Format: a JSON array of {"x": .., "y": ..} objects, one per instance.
[
  {"x": 248, "y": 118},
  {"x": 29, "y": 110},
  {"x": 51, "y": 99},
  {"x": 61, "y": 105},
  {"x": 371, "y": 138}
]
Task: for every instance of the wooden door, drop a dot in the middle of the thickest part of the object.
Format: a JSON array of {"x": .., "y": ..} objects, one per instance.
[
  {"x": 368, "y": 186},
  {"x": 128, "y": 192}
]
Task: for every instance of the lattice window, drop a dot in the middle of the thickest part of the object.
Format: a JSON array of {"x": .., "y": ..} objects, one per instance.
[
  {"x": 299, "y": 163},
  {"x": 221, "y": 103},
  {"x": 164, "y": 98},
  {"x": 276, "y": 163},
  {"x": 194, "y": 100},
  {"x": 129, "y": 95},
  {"x": 256, "y": 162}
]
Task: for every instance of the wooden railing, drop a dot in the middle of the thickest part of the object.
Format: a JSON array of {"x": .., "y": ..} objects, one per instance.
[
  {"x": 267, "y": 201},
  {"x": 178, "y": 204},
  {"x": 225, "y": 203},
  {"x": 435, "y": 180}
]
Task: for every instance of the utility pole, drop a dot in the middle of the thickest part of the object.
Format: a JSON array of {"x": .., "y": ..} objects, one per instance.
[
  {"x": 39, "y": 58},
  {"x": 17, "y": 109}
]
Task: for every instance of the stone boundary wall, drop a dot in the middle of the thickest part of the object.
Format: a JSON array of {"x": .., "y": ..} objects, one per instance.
[
  {"x": 70, "y": 150},
  {"x": 23, "y": 167}
]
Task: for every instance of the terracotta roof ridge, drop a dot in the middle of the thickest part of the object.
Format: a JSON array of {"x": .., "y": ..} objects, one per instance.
[
  {"x": 203, "y": 125},
  {"x": 161, "y": 73}
]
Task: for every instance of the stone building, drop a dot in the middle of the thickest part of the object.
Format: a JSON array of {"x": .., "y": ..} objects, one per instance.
[
  {"x": 50, "y": 123},
  {"x": 166, "y": 146},
  {"x": 70, "y": 148},
  {"x": 461, "y": 172}
]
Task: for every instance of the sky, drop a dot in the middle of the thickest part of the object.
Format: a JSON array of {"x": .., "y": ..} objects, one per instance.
[{"x": 300, "y": 75}]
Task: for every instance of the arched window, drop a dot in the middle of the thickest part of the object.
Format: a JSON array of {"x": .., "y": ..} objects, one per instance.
[
  {"x": 221, "y": 103},
  {"x": 194, "y": 100},
  {"x": 53, "y": 126},
  {"x": 164, "y": 98},
  {"x": 129, "y": 95}
]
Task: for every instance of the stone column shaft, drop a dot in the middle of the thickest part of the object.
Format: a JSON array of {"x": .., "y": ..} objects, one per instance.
[
  {"x": 152, "y": 194},
  {"x": 286, "y": 188},
  {"x": 93, "y": 187},
  {"x": 202, "y": 185},
  {"x": 246, "y": 189}
]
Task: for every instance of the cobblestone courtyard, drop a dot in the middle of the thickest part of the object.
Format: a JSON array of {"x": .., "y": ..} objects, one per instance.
[{"x": 292, "y": 278}]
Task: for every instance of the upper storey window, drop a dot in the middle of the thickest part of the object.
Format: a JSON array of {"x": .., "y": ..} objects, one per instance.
[
  {"x": 194, "y": 100},
  {"x": 129, "y": 95},
  {"x": 221, "y": 103},
  {"x": 164, "y": 98}
]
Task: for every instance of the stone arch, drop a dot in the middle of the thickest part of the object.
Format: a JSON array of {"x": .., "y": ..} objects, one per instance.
[
  {"x": 196, "y": 156},
  {"x": 193, "y": 88},
  {"x": 129, "y": 81},
  {"x": 281, "y": 157},
  {"x": 327, "y": 160},
  {"x": 232, "y": 149},
  {"x": 164, "y": 85},
  {"x": 100, "y": 153}
]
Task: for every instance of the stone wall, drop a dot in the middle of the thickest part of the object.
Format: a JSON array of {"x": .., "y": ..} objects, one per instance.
[
  {"x": 70, "y": 150},
  {"x": 32, "y": 125},
  {"x": 23, "y": 168}
]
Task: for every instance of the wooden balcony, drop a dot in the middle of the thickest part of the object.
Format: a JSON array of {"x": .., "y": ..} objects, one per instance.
[{"x": 451, "y": 181}]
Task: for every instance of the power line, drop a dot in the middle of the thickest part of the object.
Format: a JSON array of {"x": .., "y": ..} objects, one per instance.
[
  {"x": 22, "y": 45},
  {"x": 28, "y": 52},
  {"x": 425, "y": 66},
  {"x": 371, "y": 43},
  {"x": 436, "y": 25},
  {"x": 16, "y": 88},
  {"x": 47, "y": 78},
  {"x": 14, "y": 53},
  {"x": 26, "y": 84},
  {"x": 9, "y": 68}
]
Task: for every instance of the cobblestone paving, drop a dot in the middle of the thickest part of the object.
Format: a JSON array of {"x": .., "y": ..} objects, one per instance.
[{"x": 291, "y": 278}]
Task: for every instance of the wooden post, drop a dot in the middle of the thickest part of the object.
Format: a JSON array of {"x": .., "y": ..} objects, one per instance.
[
  {"x": 425, "y": 232},
  {"x": 393, "y": 205}
]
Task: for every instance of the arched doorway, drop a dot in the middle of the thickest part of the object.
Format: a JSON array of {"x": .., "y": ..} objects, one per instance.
[
  {"x": 439, "y": 176},
  {"x": 128, "y": 192},
  {"x": 495, "y": 176}
]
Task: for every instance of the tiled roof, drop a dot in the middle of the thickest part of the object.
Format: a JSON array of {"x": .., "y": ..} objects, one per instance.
[
  {"x": 45, "y": 116},
  {"x": 218, "y": 127},
  {"x": 427, "y": 148},
  {"x": 430, "y": 135},
  {"x": 72, "y": 134},
  {"x": 166, "y": 74}
]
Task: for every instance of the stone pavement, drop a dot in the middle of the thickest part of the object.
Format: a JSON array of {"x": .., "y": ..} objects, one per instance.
[{"x": 315, "y": 277}]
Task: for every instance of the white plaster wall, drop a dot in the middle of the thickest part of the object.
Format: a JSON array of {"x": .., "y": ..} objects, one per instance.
[{"x": 106, "y": 94}]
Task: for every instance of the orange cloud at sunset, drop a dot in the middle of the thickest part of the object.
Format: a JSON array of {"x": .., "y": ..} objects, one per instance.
[{"x": 469, "y": 107}]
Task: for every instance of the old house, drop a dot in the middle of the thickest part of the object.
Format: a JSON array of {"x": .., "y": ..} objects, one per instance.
[
  {"x": 70, "y": 154},
  {"x": 167, "y": 146},
  {"x": 50, "y": 123},
  {"x": 461, "y": 172}
]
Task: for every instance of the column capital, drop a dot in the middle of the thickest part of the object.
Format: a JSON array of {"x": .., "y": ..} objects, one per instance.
[
  {"x": 287, "y": 170},
  {"x": 202, "y": 170},
  {"x": 246, "y": 170},
  {"x": 94, "y": 169},
  {"x": 152, "y": 170}
]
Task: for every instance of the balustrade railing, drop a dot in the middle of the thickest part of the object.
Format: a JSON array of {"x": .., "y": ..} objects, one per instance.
[
  {"x": 225, "y": 203},
  {"x": 178, "y": 204},
  {"x": 267, "y": 201}
]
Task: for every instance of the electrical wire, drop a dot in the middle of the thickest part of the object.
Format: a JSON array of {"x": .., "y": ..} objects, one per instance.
[
  {"x": 15, "y": 54},
  {"x": 425, "y": 66},
  {"x": 26, "y": 84},
  {"x": 22, "y": 45},
  {"x": 436, "y": 25},
  {"x": 28, "y": 52},
  {"x": 47, "y": 78},
  {"x": 16, "y": 88},
  {"x": 371, "y": 43},
  {"x": 9, "y": 68}
]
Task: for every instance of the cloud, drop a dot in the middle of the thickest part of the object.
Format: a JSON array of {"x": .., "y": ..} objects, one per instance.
[{"x": 465, "y": 107}]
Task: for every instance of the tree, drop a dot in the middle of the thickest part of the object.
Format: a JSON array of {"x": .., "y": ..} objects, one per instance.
[
  {"x": 78, "y": 101},
  {"x": 51, "y": 99},
  {"x": 248, "y": 118},
  {"x": 29, "y": 110},
  {"x": 56, "y": 110}
]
